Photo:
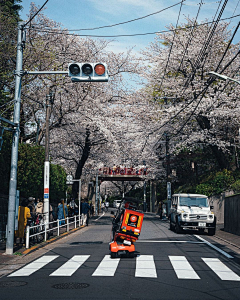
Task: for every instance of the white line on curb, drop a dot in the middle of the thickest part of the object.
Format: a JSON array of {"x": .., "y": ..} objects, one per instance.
[{"x": 214, "y": 247}]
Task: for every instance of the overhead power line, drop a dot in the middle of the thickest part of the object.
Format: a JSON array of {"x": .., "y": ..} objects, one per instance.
[
  {"x": 205, "y": 46},
  {"x": 126, "y": 22},
  {"x": 36, "y": 13},
  {"x": 127, "y": 35},
  {"x": 170, "y": 50}
]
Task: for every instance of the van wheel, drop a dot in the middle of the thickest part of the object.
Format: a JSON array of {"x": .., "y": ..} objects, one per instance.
[
  {"x": 178, "y": 228},
  {"x": 211, "y": 231}
]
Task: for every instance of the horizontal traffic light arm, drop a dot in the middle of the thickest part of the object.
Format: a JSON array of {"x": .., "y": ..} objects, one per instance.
[{"x": 7, "y": 121}]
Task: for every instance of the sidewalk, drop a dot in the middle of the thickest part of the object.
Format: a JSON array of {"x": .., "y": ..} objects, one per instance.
[
  {"x": 20, "y": 251},
  {"x": 229, "y": 240}
]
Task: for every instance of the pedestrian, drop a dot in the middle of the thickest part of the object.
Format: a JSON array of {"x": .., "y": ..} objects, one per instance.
[
  {"x": 114, "y": 169},
  {"x": 31, "y": 206},
  {"x": 39, "y": 210},
  {"x": 160, "y": 209},
  {"x": 91, "y": 209},
  {"x": 62, "y": 212},
  {"x": 23, "y": 215},
  {"x": 102, "y": 207},
  {"x": 85, "y": 211},
  {"x": 72, "y": 205},
  {"x": 106, "y": 205},
  {"x": 51, "y": 218}
]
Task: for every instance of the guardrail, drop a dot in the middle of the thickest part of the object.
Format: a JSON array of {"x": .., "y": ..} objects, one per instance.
[{"x": 42, "y": 232}]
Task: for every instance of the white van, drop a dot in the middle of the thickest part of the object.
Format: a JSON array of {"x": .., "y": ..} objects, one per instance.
[
  {"x": 116, "y": 203},
  {"x": 191, "y": 211}
]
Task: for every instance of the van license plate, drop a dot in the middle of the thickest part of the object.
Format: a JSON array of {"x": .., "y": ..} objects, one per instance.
[{"x": 200, "y": 224}]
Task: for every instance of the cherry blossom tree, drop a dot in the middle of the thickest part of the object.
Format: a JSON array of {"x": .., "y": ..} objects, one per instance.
[{"x": 192, "y": 110}]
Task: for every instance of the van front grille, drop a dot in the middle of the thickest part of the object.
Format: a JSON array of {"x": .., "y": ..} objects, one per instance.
[{"x": 197, "y": 217}]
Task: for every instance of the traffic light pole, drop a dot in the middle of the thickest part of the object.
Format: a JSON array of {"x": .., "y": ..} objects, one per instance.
[
  {"x": 16, "y": 130},
  {"x": 16, "y": 133}
]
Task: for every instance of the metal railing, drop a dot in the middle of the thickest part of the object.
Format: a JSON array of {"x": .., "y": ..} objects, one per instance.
[{"x": 42, "y": 232}]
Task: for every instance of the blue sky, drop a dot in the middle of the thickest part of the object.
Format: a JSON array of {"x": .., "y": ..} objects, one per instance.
[{"x": 81, "y": 14}]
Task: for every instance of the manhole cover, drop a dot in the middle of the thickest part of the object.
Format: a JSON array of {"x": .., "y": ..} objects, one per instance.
[
  {"x": 12, "y": 283},
  {"x": 70, "y": 286}
]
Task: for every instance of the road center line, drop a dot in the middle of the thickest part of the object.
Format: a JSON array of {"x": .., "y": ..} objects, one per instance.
[{"x": 214, "y": 247}]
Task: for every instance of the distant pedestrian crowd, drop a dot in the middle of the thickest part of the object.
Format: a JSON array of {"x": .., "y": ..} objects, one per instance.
[{"x": 31, "y": 212}]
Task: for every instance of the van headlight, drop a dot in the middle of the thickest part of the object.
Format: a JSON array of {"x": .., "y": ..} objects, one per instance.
[
  {"x": 185, "y": 215},
  {"x": 210, "y": 216}
]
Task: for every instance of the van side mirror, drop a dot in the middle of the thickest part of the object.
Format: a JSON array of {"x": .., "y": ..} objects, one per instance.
[{"x": 211, "y": 207}]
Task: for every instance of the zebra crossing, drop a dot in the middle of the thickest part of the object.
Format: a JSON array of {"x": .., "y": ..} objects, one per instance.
[{"x": 144, "y": 267}]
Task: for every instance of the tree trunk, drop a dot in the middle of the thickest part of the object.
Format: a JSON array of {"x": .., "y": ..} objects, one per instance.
[{"x": 81, "y": 163}]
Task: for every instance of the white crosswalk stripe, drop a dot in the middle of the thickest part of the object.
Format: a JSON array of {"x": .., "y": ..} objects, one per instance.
[
  {"x": 220, "y": 269},
  {"x": 145, "y": 267},
  {"x": 70, "y": 266},
  {"x": 107, "y": 267},
  {"x": 182, "y": 268},
  {"x": 34, "y": 266}
]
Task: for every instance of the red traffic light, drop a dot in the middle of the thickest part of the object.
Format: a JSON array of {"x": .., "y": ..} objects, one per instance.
[{"x": 99, "y": 69}]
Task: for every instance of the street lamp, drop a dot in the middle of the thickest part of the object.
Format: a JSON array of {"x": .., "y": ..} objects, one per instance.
[{"x": 223, "y": 77}]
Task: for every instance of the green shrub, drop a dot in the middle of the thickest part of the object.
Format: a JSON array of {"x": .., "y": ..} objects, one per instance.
[
  {"x": 205, "y": 189},
  {"x": 236, "y": 186}
]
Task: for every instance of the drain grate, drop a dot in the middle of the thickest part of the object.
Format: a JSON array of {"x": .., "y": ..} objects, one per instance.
[
  {"x": 12, "y": 283},
  {"x": 70, "y": 286}
]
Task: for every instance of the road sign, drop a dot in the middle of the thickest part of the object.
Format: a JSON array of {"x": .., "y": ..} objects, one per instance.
[{"x": 69, "y": 177}]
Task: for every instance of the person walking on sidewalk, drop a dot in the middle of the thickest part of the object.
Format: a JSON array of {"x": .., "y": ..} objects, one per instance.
[
  {"x": 62, "y": 212},
  {"x": 85, "y": 210},
  {"x": 106, "y": 205}
]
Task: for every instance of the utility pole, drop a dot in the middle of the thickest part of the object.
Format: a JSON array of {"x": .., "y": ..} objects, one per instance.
[
  {"x": 96, "y": 197},
  {"x": 15, "y": 141},
  {"x": 46, "y": 163},
  {"x": 167, "y": 175}
]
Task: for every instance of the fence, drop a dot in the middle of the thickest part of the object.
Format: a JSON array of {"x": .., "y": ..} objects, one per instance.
[
  {"x": 232, "y": 214},
  {"x": 42, "y": 232}
]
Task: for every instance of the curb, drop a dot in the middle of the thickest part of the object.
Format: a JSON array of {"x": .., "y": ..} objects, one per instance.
[{"x": 52, "y": 240}]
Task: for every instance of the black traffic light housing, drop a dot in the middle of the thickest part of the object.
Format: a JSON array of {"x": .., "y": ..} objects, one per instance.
[{"x": 88, "y": 72}]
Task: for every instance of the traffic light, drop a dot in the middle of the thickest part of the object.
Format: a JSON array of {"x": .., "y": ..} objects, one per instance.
[
  {"x": 88, "y": 72},
  {"x": 1, "y": 136}
]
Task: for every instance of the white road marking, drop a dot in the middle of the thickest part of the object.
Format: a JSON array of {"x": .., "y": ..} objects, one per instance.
[
  {"x": 214, "y": 247},
  {"x": 182, "y": 268},
  {"x": 100, "y": 217},
  {"x": 107, "y": 266},
  {"x": 145, "y": 266},
  {"x": 70, "y": 266},
  {"x": 220, "y": 269},
  {"x": 189, "y": 242},
  {"x": 34, "y": 266}
]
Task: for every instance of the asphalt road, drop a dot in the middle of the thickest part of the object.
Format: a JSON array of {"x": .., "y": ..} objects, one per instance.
[{"x": 166, "y": 266}]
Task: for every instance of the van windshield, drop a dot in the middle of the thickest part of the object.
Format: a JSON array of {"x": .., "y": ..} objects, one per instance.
[{"x": 193, "y": 201}]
